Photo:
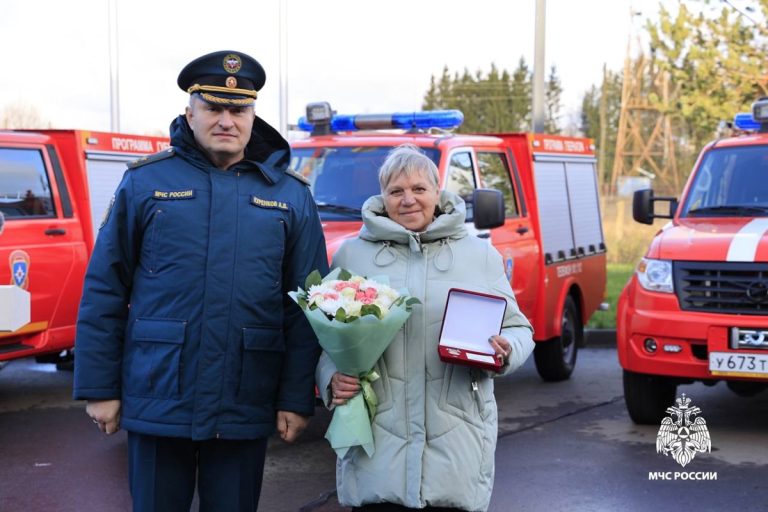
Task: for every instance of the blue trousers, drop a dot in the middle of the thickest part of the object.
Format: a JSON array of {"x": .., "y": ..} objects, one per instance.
[{"x": 163, "y": 472}]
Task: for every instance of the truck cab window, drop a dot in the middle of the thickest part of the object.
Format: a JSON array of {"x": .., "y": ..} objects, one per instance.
[
  {"x": 730, "y": 181},
  {"x": 460, "y": 179},
  {"x": 494, "y": 173},
  {"x": 24, "y": 187},
  {"x": 342, "y": 177}
]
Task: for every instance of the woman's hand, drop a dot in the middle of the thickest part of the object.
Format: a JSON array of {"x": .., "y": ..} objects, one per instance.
[
  {"x": 502, "y": 347},
  {"x": 343, "y": 387}
]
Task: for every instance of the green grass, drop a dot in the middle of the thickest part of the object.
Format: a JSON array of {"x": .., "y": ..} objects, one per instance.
[{"x": 618, "y": 275}]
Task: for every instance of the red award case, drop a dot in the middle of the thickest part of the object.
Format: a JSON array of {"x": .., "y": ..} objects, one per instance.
[{"x": 471, "y": 318}]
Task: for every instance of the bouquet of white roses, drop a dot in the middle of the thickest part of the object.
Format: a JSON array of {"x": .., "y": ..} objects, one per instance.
[
  {"x": 349, "y": 297},
  {"x": 355, "y": 320}
]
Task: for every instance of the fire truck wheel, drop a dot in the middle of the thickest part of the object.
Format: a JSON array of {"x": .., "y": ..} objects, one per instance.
[
  {"x": 648, "y": 396},
  {"x": 556, "y": 358}
]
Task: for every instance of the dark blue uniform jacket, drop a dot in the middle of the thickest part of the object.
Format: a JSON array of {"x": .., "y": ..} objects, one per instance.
[{"x": 184, "y": 315}]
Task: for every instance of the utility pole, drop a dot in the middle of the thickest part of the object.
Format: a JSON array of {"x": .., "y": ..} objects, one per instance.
[
  {"x": 538, "y": 68},
  {"x": 114, "y": 78},
  {"x": 603, "y": 127}
]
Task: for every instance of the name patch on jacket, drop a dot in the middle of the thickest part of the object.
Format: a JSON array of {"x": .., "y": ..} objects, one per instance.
[
  {"x": 174, "y": 194},
  {"x": 268, "y": 203}
]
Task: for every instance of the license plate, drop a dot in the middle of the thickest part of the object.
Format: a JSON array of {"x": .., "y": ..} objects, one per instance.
[{"x": 741, "y": 365}]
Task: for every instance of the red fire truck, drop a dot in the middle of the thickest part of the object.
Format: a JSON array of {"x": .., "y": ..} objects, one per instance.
[
  {"x": 55, "y": 185},
  {"x": 551, "y": 239},
  {"x": 696, "y": 308}
]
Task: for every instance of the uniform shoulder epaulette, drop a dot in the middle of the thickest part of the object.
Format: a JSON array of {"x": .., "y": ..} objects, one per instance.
[
  {"x": 295, "y": 175},
  {"x": 155, "y": 157}
]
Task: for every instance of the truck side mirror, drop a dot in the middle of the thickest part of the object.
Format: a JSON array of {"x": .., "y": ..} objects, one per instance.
[
  {"x": 643, "y": 206},
  {"x": 488, "y": 208}
]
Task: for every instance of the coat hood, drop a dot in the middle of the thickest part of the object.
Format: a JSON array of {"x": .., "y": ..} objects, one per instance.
[
  {"x": 448, "y": 225},
  {"x": 266, "y": 150}
]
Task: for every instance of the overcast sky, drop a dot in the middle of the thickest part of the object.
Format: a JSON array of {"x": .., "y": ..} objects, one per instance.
[{"x": 361, "y": 56}]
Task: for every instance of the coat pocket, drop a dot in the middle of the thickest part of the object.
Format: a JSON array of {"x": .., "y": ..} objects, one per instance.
[
  {"x": 156, "y": 358},
  {"x": 153, "y": 241},
  {"x": 262, "y": 363},
  {"x": 459, "y": 397}
]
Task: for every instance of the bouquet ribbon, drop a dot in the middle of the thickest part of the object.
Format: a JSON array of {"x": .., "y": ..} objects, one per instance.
[
  {"x": 371, "y": 401},
  {"x": 351, "y": 423}
]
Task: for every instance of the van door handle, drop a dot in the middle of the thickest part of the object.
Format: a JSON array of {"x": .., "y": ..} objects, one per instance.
[
  {"x": 522, "y": 230},
  {"x": 56, "y": 231},
  {"x": 484, "y": 235}
]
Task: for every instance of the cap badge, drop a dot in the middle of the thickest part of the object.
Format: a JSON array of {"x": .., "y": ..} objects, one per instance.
[
  {"x": 232, "y": 63},
  {"x": 231, "y": 82}
]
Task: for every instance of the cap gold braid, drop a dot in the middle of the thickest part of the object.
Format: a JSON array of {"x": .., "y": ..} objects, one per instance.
[
  {"x": 216, "y": 88},
  {"x": 240, "y": 102}
]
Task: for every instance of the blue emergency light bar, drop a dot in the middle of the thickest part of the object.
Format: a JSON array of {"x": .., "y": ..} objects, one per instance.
[
  {"x": 745, "y": 121},
  {"x": 446, "y": 119},
  {"x": 755, "y": 120}
]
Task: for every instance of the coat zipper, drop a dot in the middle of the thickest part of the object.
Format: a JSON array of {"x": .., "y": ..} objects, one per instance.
[{"x": 475, "y": 390}]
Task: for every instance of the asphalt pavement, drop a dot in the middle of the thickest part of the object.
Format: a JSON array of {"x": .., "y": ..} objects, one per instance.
[{"x": 567, "y": 446}]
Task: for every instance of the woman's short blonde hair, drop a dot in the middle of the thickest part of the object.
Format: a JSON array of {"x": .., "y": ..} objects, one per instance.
[{"x": 407, "y": 159}]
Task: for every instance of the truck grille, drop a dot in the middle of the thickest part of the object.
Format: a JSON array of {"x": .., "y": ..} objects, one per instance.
[{"x": 722, "y": 287}]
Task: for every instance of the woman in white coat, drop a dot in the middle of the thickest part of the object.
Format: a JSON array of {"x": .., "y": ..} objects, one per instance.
[{"x": 436, "y": 424}]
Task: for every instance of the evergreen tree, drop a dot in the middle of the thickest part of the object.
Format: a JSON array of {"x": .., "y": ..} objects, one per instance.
[
  {"x": 496, "y": 102},
  {"x": 552, "y": 103},
  {"x": 522, "y": 96},
  {"x": 716, "y": 66},
  {"x": 432, "y": 97},
  {"x": 463, "y": 99},
  {"x": 590, "y": 113},
  {"x": 608, "y": 97}
]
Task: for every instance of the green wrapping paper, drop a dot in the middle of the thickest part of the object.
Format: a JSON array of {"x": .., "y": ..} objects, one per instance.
[{"x": 354, "y": 348}]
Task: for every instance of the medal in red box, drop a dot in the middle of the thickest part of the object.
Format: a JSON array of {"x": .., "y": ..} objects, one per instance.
[{"x": 471, "y": 318}]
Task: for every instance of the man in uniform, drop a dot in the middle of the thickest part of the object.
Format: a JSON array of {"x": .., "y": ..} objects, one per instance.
[{"x": 186, "y": 337}]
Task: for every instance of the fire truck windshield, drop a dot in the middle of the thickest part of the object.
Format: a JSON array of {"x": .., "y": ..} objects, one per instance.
[
  {"x": 730, "y": 182},
  {"x": 342, "y": 177}
]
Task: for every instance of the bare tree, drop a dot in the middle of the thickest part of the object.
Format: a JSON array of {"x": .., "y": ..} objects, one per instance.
[{"x": 22, "y": 115}]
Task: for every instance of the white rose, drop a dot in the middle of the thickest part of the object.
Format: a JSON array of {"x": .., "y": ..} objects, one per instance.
[
  {"x": 390, "y": 294},
  {"x": 382, "y": 307},
  {"x": 353, "y": 308},
  {"x": 383, "y": 301}
]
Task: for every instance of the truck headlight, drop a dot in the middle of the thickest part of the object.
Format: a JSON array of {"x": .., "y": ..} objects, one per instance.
[{"x": 655, "y": 275}]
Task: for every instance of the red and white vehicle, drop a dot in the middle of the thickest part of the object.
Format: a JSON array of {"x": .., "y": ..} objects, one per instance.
[
  {"x": 551, "y": 236},
  {"x": 696, "y": 308},
  {"x": 55, "y": 186}
]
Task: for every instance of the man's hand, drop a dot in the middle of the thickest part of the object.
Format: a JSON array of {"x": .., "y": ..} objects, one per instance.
[
  {"x": 290, "y": 425},
  {"x": 105, "y": 413}
]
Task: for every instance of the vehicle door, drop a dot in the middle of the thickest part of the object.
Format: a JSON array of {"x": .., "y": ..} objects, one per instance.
[
  {"x": 515, "y": 240},
  {"x": 40, "y": 235}
]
